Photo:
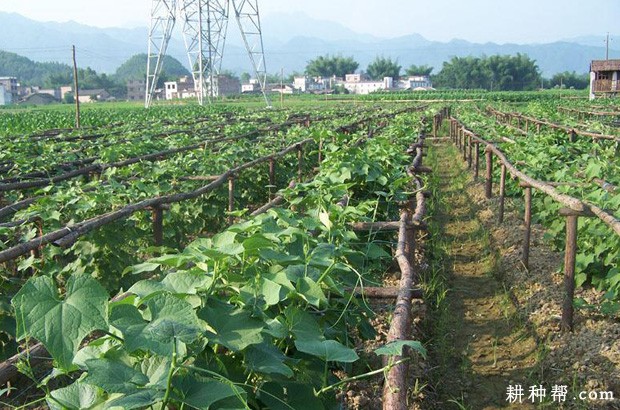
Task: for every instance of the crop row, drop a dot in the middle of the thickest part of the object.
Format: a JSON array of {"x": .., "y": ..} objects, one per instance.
[
  {"x": 574, "y": 169},
  {"x": 260, "y": 315}
]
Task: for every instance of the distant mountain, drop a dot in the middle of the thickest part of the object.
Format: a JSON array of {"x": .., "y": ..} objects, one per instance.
[
  {"x": 291, "y": 40},
  {"x": 280, "y": 27},
  {"x": 596, "y": 41}
]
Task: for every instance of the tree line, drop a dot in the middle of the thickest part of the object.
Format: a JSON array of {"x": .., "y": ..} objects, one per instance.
[{"x": 496, "y": 73}]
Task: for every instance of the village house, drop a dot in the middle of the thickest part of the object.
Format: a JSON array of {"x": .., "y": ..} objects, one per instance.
[
  {"x": 228, "y": 85},
  {"x": 306, "y": 84},
  {"x": 5, "y": 98},
  {"x": 10, "y": 86},
  {"x": 281, "y": 89},
  {"x": 90, "y": 96},
  {"x": 136, "y": 90},
  {"x": 359, "y": 84},
  {"x": 252, "y": 87},
  {"x": 415, "y": 83},
  {"x": 40, "y": 99},
  {"x": 181, "y": 89},
  {"x": 184, "y": 87},
  {"x": 604, "y": 78}
]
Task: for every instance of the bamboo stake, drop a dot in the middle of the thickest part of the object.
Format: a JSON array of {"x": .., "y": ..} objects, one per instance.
[
  {"x": 231, "y": 198},
  {"x": 300, "y": 161},
  {"x": 77, "y": 91}
]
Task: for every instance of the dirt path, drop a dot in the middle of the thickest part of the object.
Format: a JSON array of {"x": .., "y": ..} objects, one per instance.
[{"x": 481, "y": 345}]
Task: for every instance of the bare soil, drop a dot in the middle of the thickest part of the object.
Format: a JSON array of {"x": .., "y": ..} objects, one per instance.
[{"x": 503, "y": 319}]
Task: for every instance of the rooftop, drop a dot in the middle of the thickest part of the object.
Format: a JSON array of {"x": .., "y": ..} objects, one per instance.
[{"x": 606, "y": 65}]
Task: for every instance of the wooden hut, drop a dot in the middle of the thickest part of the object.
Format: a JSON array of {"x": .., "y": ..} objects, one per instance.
[{"x": 604, "y": 76}]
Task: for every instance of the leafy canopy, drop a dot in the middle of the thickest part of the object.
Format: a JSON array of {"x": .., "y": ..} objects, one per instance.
[
  {"x": 383, "y": 67},
  {"x": 327, "y": 66},
  {"x": 499, "y": 73},
  {"x": 419, "y": 70}
]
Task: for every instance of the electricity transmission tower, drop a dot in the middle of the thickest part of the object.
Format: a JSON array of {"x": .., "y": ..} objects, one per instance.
[{"x": 205, "y": 23}]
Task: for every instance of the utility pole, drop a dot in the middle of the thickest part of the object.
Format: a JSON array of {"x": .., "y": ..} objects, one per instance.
[
  {"x": 607, "y": 47},
  {"x": 282, "y": 88},
  {"x": 76, "y": 93}
]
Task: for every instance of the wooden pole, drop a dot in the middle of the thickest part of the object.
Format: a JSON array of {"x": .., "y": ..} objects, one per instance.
[
  {"x": 300, "y": 160},
  {"x": 272, "y": 172},
  {"x": 572, "y": 136},
  {"x": 477, "y": 161},
  {"x": 570, "y": 255},
  {"x": 410, "y": 244},
  {"x": 471, "y": 149},
  {"x": 465, "y": 139},
  {"x": 76, "y": 92},
  {"x": 320, "y": 152},
  {"x": 158, "y": 225},
  {"x": 528, "y": 227},
  {"x": 395, "y": 387},
  {"x": 502, "y": 193},
  {"x": 231, "y": 198},
  {"x": 282, "y": 88},
  {"x": 489, "y": 174}
]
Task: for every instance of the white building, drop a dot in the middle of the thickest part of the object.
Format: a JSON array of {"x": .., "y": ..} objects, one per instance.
[
  {"x": 252, "y": 87},
  {"x": 301, "y": 83},
  {"x": 91, "y": 96},
  {"x": 184, "y": 88},
  {"x": 416, "y": 82},
  {"x": 282, "y": 89},
  {"x": 307, "y": 84},
  {"x": 355, "y": 84},
  {"x": 5, "y": 98},
  {"x": 171, "y": 88},
  {"x": 10, "y": 86}
]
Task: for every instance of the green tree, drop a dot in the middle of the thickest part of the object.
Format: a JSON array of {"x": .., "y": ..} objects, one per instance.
[
  {"x": 463, "y": 73},
  {"x": 245, "y": 78},
  {"x": 135, "y": 69},
  {"x": 69, "y": 98},
  {"x": 383, "y": 67},
  {"x": 419, "y": 70},
  {"x": 513, "y": 73},
  {"x": 327, "y": 66},
  {"x": 570, "y": 80},
  {"x": 504, "y": 73}
]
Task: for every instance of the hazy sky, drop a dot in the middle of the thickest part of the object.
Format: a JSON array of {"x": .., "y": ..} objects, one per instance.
[{"x": 474, "y": 20}]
